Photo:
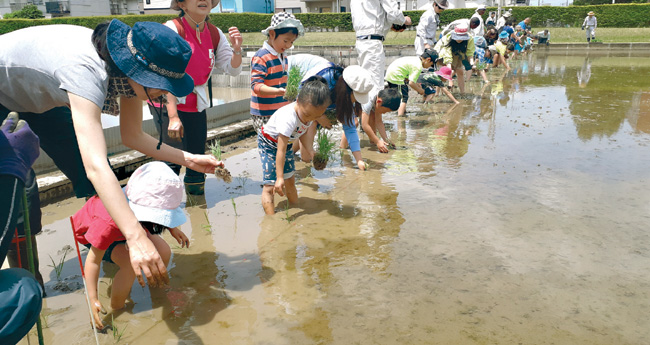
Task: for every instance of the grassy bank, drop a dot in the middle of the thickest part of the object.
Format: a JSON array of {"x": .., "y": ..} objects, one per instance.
[{"x": 558, "y": 35}]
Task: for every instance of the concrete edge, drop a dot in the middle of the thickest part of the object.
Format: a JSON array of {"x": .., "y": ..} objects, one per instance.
[{"x": 55, "y": 186}]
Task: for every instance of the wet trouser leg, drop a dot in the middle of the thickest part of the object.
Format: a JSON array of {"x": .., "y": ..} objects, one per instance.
[
  {"x": 20, "y": 304},
  {"x": 58, "y": 139}
]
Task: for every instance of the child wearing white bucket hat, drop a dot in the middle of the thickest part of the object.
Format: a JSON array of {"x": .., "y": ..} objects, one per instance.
[
  {"x": 154, "y": 193},
  {"x": 269, "y": 68},
  {"x": 456, "y": 51}
]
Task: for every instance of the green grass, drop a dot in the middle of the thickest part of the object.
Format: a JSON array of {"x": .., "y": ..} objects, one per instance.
[{"x": 558, "y": 35}]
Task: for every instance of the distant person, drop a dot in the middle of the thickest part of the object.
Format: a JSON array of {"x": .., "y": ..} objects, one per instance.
[
  {"x": 480, "y": 29},
  {"x": 472, "y": 23},
  {"x": 499, "y": 51},
  {"x": 269, "y": 68},
  {"x": 456, "y": 51},
  {"x": 371, "y": 20},
  {"x": 544, "y": 37},
  {"x": 274, "y": 142},
  {"x": 502, "y": 20},
  {"x": 405, "y": 71},
  {"x": 183, "y": 120},
  {"x": 155, "y": 194},
  {"x": 20, "y": 294},
  {"x": 491, "y": 36},
  {"x": 525, "y": 25},
  {"x": 425, "y": 36},
  {"x": 491, "y": 20},
  {"x": 590, "y": 25}
]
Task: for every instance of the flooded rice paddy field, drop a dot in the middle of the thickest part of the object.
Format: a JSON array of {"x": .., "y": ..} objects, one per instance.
[{"x": 519, "y": 217}]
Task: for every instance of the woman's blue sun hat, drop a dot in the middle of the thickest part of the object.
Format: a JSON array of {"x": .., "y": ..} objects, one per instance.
[
  {"x": 503, "y": 34},
  {"x": 151, "y": 54},
  {"x": 284, "y": 20}
]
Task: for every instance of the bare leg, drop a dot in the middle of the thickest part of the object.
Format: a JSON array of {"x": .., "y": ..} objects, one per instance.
[
  {"x": 267, "y": 199},
  {"x": 123, "y": 280},
  {"x": 344, "y": 141},
  {"x": 290, "y": 189}
]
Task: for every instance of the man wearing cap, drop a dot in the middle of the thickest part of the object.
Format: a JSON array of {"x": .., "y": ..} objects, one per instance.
[
  {"x": 480, "y": 29},
  {"x": 590, "y": 24},
  {"x": 471, "y": 23},
  {"x": 426, "y": 31},
  {"x": 502, "y": 21},
  {"x": 372, "y": 19}
]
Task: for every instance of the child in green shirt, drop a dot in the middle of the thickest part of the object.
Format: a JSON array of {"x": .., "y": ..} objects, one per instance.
[{"x": 405, "y": 71}]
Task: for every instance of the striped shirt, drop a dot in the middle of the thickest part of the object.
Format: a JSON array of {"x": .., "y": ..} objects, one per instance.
[{"x": 267, "y": 68}]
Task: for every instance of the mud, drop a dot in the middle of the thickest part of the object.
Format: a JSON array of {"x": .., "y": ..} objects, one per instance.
[{"x": 519, "y": 216}]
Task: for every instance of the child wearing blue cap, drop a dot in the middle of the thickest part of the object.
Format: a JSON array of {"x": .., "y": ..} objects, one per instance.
[{"x": 55, "y": 76}]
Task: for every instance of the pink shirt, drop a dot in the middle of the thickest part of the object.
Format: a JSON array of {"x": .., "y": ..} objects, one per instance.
[{"x": 93, "y": 224}]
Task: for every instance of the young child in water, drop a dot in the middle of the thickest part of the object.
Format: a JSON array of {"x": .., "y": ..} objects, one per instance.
[
  {"x": 269, "y": 68},
  {"x": 154, "y": 193},
  {"x": 275, "y": 139}
]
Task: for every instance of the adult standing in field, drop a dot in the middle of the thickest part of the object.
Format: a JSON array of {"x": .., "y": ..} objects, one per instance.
[
  {"x": 480, "y": 29},
  {"x": 372, "y": 19},
  {"x": 60, "y": 78},
  {"x": 589, "y": 25},
  {"x": 426, "y": 31},
  {"x": 183, "y": 121},
  {"x": 491, "y": 20},
  {"x": 503, "y": 19}
]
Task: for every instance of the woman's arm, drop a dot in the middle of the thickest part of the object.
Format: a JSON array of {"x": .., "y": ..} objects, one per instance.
[
  {"x": 175, "y": 128},
  {"x": 86, "y": 117},
  {"x": 134, "y": 138}
]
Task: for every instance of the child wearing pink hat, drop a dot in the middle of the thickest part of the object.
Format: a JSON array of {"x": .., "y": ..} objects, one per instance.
[{"x": 154, "y": 193}]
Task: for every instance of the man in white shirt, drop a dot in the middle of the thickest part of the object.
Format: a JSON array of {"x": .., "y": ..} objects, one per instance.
[
  {"x": 480, "y": 29},
  {"x": 590, "y": 24},
  {"x": 502, "y": 20},
  {"x": 426, "y": 31},
  {"x": 372, "y": 19}
]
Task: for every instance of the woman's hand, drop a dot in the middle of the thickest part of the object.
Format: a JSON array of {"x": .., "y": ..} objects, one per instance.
[
  {"x": 202, "y": 163},
  {"x": 175, "y": 128},
  {"x": 236, "y": 38},
  {"x": 180, "y": 237}
]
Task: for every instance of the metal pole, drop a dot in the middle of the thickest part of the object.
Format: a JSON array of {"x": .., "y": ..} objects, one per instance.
[{"x": 30, "y": 258}]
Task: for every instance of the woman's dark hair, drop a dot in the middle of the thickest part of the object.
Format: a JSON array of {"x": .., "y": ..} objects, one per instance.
[
  {"x": 315, "y": 92},
  {"x": 345, "y": 109},
  {"x": 153, "y": 228},
  {"x": 99, "y": 42},
  {"x": 281, "y": 31},
  {"x": 458, "y": 48}
]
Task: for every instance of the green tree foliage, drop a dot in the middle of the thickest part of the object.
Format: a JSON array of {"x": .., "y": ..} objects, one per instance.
[{"x": 28, "y": 12}]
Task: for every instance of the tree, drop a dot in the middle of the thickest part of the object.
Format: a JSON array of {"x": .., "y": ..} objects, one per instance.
[{"x": 28, "y": 12}]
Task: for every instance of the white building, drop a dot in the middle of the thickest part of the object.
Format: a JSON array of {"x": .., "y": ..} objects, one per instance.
[{"x": 75, "y": 8}]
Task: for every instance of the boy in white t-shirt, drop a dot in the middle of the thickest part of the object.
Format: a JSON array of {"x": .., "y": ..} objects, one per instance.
[{"x": 275, "y": 139}]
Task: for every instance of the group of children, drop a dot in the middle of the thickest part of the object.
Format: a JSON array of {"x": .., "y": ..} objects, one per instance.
[{"x": 154, "y": 191}]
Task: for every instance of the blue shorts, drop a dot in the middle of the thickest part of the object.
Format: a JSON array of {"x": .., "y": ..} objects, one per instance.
[
  {"x": 109, "y": 251},
  {"x": 268, "y": 150}
]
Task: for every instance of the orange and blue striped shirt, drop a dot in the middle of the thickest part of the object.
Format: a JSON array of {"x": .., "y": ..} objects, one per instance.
[{"x": 267, "y": 68}]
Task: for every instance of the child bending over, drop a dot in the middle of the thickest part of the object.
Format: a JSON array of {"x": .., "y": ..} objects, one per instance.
[
  {"x": 405, "y": 71},
  {"x": 154, "y": 193},
  {"x": 275, "y": 139},
  {"x": 371, "y": 116}
]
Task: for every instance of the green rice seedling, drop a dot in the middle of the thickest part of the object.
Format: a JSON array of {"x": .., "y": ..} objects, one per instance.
[
  {"x": 293, "y": 82},
  {"x": 207, "y": 227},
  {"x": 331, "y": 116},
  {"x": 234, "y": 206},
  {"x": 326, "y": 147},
  {"x": 58, "y": 267},
  {"x": 117, "y": 333},
  {"x": 287, "y": 217},
  {"x": 220, "y": 172}
]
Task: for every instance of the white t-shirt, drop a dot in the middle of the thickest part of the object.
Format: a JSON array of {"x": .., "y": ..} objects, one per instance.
[
  {"x": 285, "y": 121},
  {"x": 40, "y": 64}
]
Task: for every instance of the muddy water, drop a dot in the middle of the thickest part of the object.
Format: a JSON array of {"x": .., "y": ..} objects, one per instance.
[{"x": 520, "y": 216}]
